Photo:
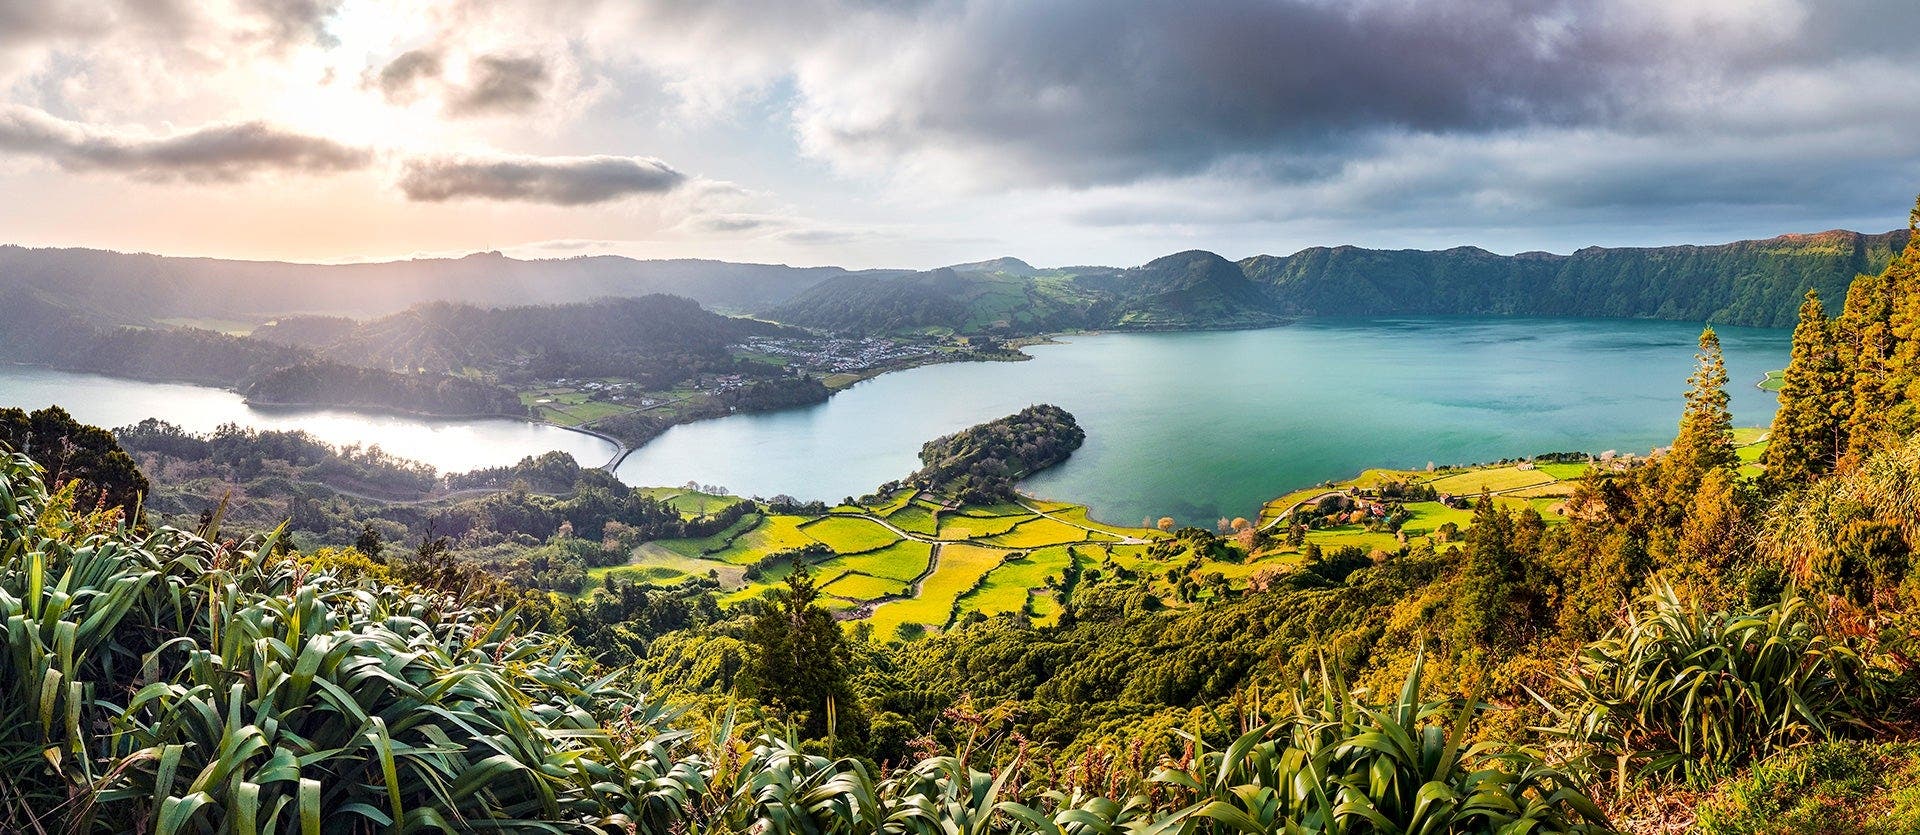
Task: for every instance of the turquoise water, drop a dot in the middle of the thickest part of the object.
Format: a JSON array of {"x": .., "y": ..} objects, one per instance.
[
  {"x": 1190, "y": 425},
  {"x": 449, "y": 445},
  {"x": 1203, "y": 425}
]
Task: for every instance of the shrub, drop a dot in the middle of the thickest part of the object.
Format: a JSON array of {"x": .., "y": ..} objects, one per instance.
[{"x": 1680, "y": 691}]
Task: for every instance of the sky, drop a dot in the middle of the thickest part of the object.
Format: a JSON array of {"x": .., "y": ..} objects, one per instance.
[{"x": 916, "y": 133}]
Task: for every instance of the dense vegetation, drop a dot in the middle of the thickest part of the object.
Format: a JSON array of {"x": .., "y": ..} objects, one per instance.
[
  {"x": 36, "y": 332},
  {"x": 655, "y": 340},
  {"x": 353, "y": 387},
  {"x": 74, "y": 456},
  {"x": 1743, "y": 283},
  {"x": 541, "y": 523},
  {"x": 981, "y": 464}
]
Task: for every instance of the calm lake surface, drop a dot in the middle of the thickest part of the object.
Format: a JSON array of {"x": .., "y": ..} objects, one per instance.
[
  {"x": 1190, "y": 425},
  {"x": 1203, "y": 425},
  {"x": 449, "y": 445}
]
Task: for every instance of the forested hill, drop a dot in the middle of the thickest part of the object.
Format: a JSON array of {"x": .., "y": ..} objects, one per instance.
[
  {"x": 1755, "y": 283},
  {"x": 625, "y": 337},
  {"x": 138, "y": 288},
  {"x": 1746, "y": 283}
]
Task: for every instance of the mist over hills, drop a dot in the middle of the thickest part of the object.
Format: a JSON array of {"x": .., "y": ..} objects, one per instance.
[
  {"x": 1757, "y": 282},
  {"x": 134, "y": 288}
]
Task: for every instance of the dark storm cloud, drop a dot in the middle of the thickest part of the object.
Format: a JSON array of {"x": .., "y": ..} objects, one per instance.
[
  {"x": 1095, "y": 92},
  {"x": 217, "y": 153},
  {"x": 560, "y": 181},
  {"x": 501, "y": 84}
]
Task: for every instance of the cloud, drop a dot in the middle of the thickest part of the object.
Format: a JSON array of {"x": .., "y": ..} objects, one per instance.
[
  {"x": 400, "y": 80},
  {"x": 495, "y": 84},
  {"x": 502, "y": 84},
  {"x": 216, "y": 153},
  {"x": 559, "y": 181},
  {"x": 734, "y": 222},
  {"x": 990, "y": 95}
]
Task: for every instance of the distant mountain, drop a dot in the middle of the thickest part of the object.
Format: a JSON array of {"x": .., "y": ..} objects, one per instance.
[
  {"x": 140, "y": 289},
  {"x": 1757, "y": 283},
  {"x": 1186, "y": 289},
  {"x": 1009, "y": 266},
  {"x": 655, "y": 338},
  {"x": 36, "y": 332},
  {"x": 1743, "y": 283},
  {"x": 946, "y": 300}
]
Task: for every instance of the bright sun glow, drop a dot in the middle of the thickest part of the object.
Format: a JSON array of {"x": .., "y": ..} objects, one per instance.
[{"x": 329, "y": 88}]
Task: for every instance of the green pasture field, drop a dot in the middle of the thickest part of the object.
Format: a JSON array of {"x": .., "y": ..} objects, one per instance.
[
  {"x": 694, "y": 505},
  {"x": 1039, "y": 532},
  {"x": 960, "y": 568},
  {"x": 652, "y": 556},
  {"x": 711, "y": 546},
  {"x": 1001, "y": 509},
  {"x": 1129, "y": 557},
  {"x": 1046, "y": 608},
  {"x": 955, "y": 526},
  {"x": 1541, "y": 491},
  {"x": 850, "y": 534},
  {"x": 864, "y": 587},
  {"x": 570, "y": 407},
  {"x": 893, "y": 503},
  {"x": 1495, "y": 480},
  {"x": 1563, "y": 472},
  {"x": 1429, "y": 516},
  {"x": 903, "y": 560},
  {"x": 1379, "y": 476},
  {"x": 774, "y": 533},
  {"x": 1006, "y": 588},
  {"x": 913, "y": 518}
]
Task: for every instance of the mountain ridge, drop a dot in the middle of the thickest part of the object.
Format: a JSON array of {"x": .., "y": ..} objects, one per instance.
[{"x": 1751, "y": 282}]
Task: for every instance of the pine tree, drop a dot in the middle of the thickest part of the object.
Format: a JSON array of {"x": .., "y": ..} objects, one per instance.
[
  {"x": 1809, "y": 430},
  {"x": 1866, "y": 344},
  {"x": 801, "y": 659},
  {"x": 1902, "y": 382},
  {"x": 1712, "y": 537},
  {"x": 1705, "y": 442}
]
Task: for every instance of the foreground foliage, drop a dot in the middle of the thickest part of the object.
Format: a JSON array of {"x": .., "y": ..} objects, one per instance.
[
  {"x": 1692, "y": 693},
  {"x": 166, "y": 682}
]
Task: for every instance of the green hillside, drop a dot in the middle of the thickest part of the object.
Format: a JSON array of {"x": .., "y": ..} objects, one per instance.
[{"x": 1757, "y": 283}]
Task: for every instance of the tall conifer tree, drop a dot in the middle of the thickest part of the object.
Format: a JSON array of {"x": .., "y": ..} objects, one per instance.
[
  {"x": 1705, "y": 442},
  {"x": 1809, "y": 430},
  {"x": 1877, "y": 332}
]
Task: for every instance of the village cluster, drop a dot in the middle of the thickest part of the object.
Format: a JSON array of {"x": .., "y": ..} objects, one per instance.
[{"x": 840, "y": 355}]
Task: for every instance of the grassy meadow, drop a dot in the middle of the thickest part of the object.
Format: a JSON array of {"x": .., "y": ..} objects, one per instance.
[{"x": 912, "y": 563}]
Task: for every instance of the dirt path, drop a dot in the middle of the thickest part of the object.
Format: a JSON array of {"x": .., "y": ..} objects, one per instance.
[{"x": 1125, "y": 540}]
